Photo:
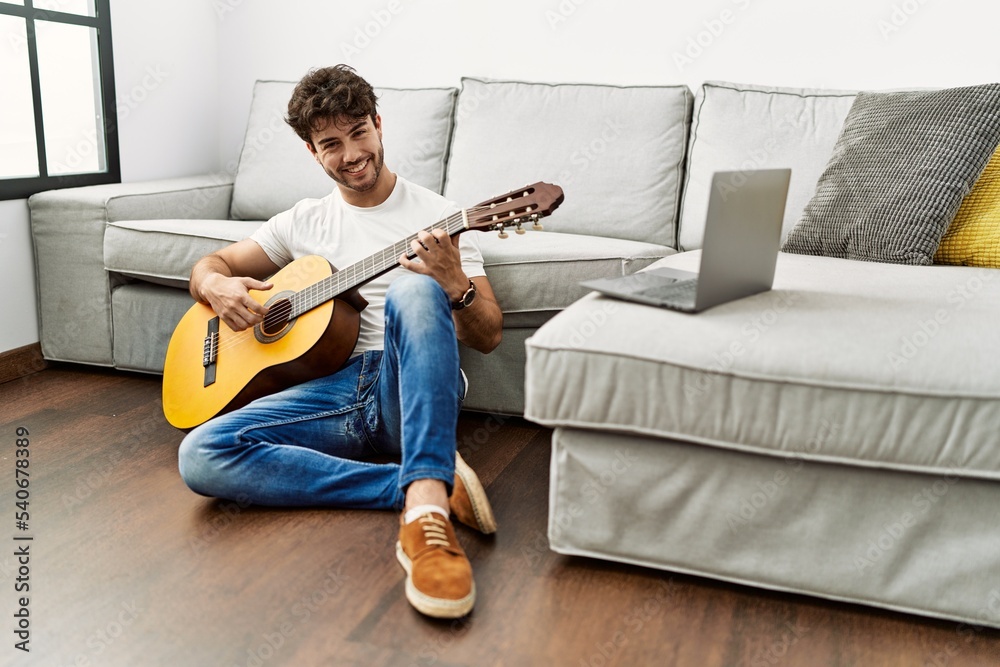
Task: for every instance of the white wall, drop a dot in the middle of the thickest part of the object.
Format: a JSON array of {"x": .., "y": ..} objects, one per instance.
[
  {"x": 166, "y": 82},
  {"x": 847, "y": 44},
  {"x": 185, "y": 69}
]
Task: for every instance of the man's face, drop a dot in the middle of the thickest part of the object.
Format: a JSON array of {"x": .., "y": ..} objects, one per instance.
[{"x": 350, "y": 151}]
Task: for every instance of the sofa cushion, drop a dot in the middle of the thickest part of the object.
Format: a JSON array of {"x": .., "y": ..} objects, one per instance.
[
  {"x": 973, "y": 237},
  {"x": 540, "y": 272},
  {"x": 738, "y": 127},
  {"x": 276, "y": 170},
  {"x": 617, "y": 152},
  {"x": 163, "y": 251},
  {"x": 898, "y": 174},
  {"x": 533, "y": 273},
  {"x": 844, "y": 361}
]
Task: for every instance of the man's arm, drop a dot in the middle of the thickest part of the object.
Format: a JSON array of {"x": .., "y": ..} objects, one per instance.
[
  {"x": 224, "y": 279},
  {"x": 481, "y": 324}
]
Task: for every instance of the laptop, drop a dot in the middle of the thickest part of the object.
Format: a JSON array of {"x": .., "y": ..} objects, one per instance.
[{"x": 740, "y": 248}]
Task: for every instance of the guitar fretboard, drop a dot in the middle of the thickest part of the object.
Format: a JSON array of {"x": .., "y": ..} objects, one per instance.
[{"x": 368, "y": 268}]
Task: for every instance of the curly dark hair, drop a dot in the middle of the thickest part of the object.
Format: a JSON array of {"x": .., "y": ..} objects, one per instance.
[{"x": 326, "y": 94}]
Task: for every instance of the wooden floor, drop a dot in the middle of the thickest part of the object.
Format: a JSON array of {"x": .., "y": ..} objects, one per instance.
[{"x": 129, "y": 568}]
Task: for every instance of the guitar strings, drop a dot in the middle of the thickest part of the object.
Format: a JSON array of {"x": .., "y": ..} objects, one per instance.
[
  {"x": 348, "y": 278},
  {"x": 369, "y": 267},
  {"x": 329, "y": 287}
]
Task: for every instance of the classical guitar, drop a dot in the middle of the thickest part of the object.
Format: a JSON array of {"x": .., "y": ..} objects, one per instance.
[{"x": 312, "y": 322}]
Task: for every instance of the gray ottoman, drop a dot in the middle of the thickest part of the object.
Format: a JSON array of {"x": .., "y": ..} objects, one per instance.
[{"x": 837, "y": 436}]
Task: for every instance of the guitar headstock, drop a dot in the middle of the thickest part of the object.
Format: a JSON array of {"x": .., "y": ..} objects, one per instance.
[{"x": 516, "y": 208}]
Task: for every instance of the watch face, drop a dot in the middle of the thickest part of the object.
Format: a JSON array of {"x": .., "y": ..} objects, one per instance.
[{"x": 467, "y": 298}]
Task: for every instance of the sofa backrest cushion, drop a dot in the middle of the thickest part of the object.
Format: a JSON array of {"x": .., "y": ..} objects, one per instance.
[
  {"x": 738, "y": 127},
  {"x": 973, "y": 238},
  {"x": 617, "y": 152},
  {"x": 276, "y": 170},
  {"x": 898, "y": 174}
]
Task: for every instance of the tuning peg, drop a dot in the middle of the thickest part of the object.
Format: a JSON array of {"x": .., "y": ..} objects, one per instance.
[
  {"x": 537, "y": 226},
  {"x": 518, "y": 230},
  {"x": 503, "y": 234}
]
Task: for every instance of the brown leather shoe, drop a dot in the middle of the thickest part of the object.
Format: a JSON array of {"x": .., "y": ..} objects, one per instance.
[
  {"x": 468, "y": 499},
  {"x": 438, "y": 574}
]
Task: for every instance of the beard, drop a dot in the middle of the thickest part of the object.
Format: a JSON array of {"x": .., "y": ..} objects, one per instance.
[{"x": 377, "y": 162}]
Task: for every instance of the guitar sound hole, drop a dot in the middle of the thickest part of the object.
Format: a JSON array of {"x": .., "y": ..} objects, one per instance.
[{"x": 277, "y": 318}]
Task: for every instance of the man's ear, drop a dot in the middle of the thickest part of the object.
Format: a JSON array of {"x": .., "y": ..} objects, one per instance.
[
  {"x": 378, "y": 125},
  {"x": 312, "y": 149}
]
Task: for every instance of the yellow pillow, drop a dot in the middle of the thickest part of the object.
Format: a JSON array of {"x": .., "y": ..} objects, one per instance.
[{"x": 973, "y": 238}]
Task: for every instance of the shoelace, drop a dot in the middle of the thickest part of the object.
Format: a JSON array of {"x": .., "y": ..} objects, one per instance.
[{"x": 434, "y": 533}]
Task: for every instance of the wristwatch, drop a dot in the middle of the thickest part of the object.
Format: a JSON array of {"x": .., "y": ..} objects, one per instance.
[{"x": 466, "y": 299}]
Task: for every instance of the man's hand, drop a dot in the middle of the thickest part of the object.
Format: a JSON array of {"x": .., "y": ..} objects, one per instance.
[
  {"x": 440, "y": 259},
  {"x": 230, "y": 299},
  {"x": 224, "y": 279},
  {"x": 478, "y": 326}
]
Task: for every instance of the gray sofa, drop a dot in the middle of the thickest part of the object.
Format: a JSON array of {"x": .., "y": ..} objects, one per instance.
[
  {"x": 774, "y": 441},
  {"x": 113, "y": 261},
  {"x": 836, "y": 436}
]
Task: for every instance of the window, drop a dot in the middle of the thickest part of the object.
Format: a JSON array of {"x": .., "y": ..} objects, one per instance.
[{"x": 58, "y": 123}]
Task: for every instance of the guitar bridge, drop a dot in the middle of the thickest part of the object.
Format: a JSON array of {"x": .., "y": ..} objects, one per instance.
[{"x": 210, "y": 351}]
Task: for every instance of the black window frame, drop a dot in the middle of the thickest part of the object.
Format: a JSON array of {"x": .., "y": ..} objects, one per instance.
[{"x": 21, "y": 188}]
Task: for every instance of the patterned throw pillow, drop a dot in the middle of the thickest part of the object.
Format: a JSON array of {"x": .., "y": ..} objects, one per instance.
[
  {"x": 973, "y": 239},
  {"x": 900, "y": 169}
]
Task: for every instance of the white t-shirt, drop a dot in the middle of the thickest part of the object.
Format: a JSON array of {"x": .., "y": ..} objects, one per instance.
[{"x": 345, "y": 234}]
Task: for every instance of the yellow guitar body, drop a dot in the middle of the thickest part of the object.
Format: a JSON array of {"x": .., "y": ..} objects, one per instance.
[{"x": 256, "y": 362}]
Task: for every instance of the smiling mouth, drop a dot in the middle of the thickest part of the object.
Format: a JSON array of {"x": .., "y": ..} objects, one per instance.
[{"x": 358, "y": 169}]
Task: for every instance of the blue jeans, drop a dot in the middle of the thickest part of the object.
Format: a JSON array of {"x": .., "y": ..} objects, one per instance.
[{"x": 313, "y": 444}]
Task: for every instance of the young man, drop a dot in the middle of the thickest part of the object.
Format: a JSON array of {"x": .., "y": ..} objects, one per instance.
[{"x": 400, "y": 393}]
